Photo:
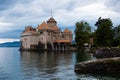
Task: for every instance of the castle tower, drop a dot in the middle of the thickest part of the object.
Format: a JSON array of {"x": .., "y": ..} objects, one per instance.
[{"x": 51, "y": 22}]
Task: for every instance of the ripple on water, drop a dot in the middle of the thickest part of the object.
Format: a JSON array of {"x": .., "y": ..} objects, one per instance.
[
  {"x": 26, "y": 65},
  {"x": 5, "y": 76}
]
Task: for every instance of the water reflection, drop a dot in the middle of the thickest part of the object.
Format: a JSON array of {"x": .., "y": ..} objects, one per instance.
[
  {"x": 81, "y": 56},
  {"x": 47, "y": 64},
  {"x": 25, "y": 65}
]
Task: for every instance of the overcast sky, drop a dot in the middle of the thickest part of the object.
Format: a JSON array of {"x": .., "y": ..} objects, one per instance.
[{"x": 16, "y": 14}]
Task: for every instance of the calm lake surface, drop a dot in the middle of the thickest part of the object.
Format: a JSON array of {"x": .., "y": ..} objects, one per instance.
[{"x": 25, "y": 65}]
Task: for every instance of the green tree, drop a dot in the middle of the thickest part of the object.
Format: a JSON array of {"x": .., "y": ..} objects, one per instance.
[
  {"x": 116, "y": 36},
  {"x": 117, "y": 31},
  {"x": 82, "y": 32},
  {"x": 104, "y": 32}
]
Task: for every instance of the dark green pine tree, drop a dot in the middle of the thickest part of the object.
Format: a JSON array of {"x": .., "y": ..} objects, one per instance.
[{"x": 104, "y": 32}]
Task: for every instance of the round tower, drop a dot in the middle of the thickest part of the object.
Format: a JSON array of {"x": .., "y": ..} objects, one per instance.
[{"x": 52, "y": 22}]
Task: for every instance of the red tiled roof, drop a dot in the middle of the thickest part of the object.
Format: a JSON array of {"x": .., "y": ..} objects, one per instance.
[
  {"x": 67, "y": 41},
  {"x": 43, "y": 26},
  {"x": 55, "y": 28},
  {"x": 29, "y": 29},
  {"x": 66, "y": 30}
]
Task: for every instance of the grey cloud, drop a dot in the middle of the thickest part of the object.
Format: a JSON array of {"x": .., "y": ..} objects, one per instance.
[
  {"x": 114, "y": 5},
  {"x": 15, "y": 34},
  {"x": 6, "y": 4},
  {"x": 33, "y": 12}
]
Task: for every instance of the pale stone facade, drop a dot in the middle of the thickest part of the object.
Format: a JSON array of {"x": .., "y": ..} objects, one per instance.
[{"x": 47, "y": 36}]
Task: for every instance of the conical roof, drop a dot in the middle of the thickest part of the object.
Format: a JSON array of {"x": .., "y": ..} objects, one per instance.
[
  {"x": 66, "y": 30},
  {"x": 51, "y": 20},
  {"x": 29, "y": 29}
]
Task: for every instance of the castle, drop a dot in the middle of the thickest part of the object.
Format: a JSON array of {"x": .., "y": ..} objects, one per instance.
[{"x": 47, "y": 36}]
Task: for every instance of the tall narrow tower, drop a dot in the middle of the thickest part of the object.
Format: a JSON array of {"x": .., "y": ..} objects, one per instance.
[{"x": 51, "y": 22}]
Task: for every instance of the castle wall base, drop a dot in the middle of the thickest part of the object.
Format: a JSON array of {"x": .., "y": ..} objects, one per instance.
[{"x": 37, "y": 49}]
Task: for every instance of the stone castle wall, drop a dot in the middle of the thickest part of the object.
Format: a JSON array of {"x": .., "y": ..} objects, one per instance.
[{"x": 46, "y": 36}]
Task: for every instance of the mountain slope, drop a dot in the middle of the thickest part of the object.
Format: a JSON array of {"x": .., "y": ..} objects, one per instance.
[{"x": 10, "y": 44}]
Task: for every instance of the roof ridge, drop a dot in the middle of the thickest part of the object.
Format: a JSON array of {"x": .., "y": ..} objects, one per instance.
[
  {"x": 44, "y": 25},
  {"x": 51, "y": 19}
]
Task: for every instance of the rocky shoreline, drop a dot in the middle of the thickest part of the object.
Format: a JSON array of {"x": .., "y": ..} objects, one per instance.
[
  {"x": 99, "y": 66},
  {"x": 107, "y": 53},
  {"x": 107, "y": 62}
]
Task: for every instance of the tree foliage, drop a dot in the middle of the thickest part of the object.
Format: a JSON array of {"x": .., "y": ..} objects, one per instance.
[
  {"x": 116, "y": 36},
  {"x": 82, "y": 32},
  {"x": 104, "y": 32},
  {"x": 117, "y": 31}
]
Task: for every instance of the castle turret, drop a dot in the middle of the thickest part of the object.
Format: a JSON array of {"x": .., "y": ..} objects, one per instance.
[
  {"x": 68, "y": 34},
  {"x": 51, "y": 22}
]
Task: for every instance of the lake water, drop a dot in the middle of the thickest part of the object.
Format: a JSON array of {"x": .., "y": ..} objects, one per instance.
[{"x": 25, "y": 65}]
